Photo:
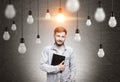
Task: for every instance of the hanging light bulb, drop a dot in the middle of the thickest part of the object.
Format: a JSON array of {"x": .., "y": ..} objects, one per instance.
[
  {"x": 77, "y": 35},
  {"x": 88, "y": 22},
  {"x": 99, "y": 13},
  {"x": 72, "y": 5},
  {"x": 38, "y": 40},
  {"x": 10, "y": 11},
  {"x": 30, "y": 18},
  {"x": 101, "y": 52},
  {"x": 22, "y": 48},
  {"x": 6, "y": 35},
  {"x": 77, "y": 32},
  {"x": 47, "y": 16},
  {"x": 13, "y": 27},
  {"x": 60, "y": 17},
  {"x": 112, "y": 21}
]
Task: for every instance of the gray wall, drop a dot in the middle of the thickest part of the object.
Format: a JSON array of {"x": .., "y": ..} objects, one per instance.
[{"x": 15, "y": 67}]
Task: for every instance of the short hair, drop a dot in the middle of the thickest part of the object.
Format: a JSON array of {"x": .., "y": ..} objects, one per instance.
[{"x": 60, "y": 29}]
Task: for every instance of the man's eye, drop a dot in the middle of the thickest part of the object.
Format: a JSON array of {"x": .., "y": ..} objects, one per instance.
[
  {"x": 63, "y": 36},
  {"x": 58, "y": 36}
]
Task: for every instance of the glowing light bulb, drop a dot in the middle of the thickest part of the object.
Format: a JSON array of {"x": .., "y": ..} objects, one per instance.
[
  {"x": 47, "y": 16},
  {"x": 88, "y": 22},
  {"x": 10, "y": 11},
  {"x": 13, "y": 27},
  {"x": 100, "y": 14},
  {"x": 77, "y": 35},
  {"x": 22, "y": 48},
  {"x": 72, "y": 5},
  {"x": 30, "y": 18},
  {"x": 60, "y": 17},
  {"x": 6, "y": 35},
  {"x": 112, "y": 21},
  {"x": 38, "y": 40},
  {"x": 101, "y": 52}
]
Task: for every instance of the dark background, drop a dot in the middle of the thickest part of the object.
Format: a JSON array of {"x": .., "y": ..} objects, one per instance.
[{"x": 15, "y": 67}]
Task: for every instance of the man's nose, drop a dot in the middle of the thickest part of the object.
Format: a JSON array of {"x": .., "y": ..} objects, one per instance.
[{"x": 60, "y": 38}]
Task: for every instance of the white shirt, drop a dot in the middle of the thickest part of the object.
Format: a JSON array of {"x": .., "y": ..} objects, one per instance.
[{"x": 68, "y": 75}]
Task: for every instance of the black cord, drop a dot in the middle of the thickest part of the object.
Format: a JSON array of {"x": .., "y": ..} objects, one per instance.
[
  {"x": 77, "y": 19},
  {"x": 60, "y": 3},
  {"x": 30, "y": 4},
  {"x": 88, "y": 6},
  {"x": 112, "y": 5},
  {"x": 100, "y": 4},
  {"x": 9, "y": 1},
  {"x": 47, "y": 4},
  {"x": 38, "y": 19},
  {"x": 100, "y": 35},
  {"x": 22, "y": 19}
]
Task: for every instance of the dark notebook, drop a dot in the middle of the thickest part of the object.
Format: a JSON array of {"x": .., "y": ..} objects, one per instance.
[{"x": 57, "y": 59}]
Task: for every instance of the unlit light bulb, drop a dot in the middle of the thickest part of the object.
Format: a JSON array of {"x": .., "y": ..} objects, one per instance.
[
  {"x": 101, "y": 52},
  {"x": 30, "y": 18},
  {"x": 112, "y": 21},
  {"x": 47, "y": 16},
  {"x": 10, "y": 11},
  {"x": 60, "y": 17},
  {"x": 88, "y": 22},
  {"x": 6, "y": 35},
  {"x": 73, "y": 5},
  {"x": 22, "y": 48},
  {"x": 77, "y": 35},
  {"x": 100, "y": 14},
  {"x": 38, "y": 40},
  {"x": 13, "y": 27}
]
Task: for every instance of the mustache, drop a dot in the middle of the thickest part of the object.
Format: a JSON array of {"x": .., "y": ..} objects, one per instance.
[
  {"x": 59, "y": 41},
  {"x": 59, "y": 44}
]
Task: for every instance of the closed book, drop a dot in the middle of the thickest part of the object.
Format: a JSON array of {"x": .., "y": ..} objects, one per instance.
[{"x": 57, "y": 59}]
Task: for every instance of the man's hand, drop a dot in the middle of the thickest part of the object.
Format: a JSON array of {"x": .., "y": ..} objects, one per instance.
[{"x": 61, "y": 66}]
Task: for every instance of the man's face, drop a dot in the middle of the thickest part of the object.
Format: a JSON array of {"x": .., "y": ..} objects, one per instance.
[{"x": 60, "y": 38}]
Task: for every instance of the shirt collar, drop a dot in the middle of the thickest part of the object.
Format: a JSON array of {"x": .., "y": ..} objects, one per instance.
[{"x": 54, "y": 47}]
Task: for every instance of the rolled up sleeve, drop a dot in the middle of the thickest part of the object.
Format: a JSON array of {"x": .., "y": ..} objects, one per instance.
[{"x": 44, "y": 65}]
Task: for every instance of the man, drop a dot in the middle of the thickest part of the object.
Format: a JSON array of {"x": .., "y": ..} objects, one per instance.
[{"x": 68, "y": 68}]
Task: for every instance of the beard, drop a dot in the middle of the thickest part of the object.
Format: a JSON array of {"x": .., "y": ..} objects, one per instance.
[{"x": 57, "y": 43}]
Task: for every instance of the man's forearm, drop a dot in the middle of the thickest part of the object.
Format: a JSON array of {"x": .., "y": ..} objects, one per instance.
[{"x": 49, "y": 68}]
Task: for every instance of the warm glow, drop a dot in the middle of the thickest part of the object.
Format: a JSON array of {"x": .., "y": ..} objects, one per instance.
[{"x": 60, "y": 17}]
